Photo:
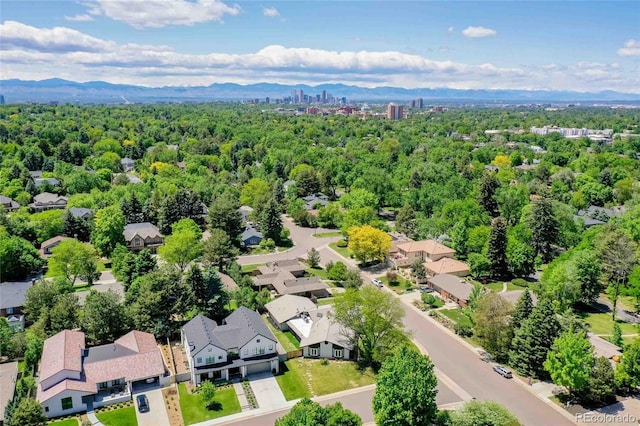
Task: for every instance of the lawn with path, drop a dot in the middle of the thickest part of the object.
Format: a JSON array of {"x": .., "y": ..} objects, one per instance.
[
  {"x": 194, "y": 409},
  {"x": 120, "y": 417},
  {"x": 498, "y": 286},
  {"x": 456, "y": 315},
  {"x": 601, "y": 323},
  {"x": 342, "y": 251}
]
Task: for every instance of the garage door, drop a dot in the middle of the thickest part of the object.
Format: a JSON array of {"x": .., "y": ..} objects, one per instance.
[{"x": 259, "y": 368}]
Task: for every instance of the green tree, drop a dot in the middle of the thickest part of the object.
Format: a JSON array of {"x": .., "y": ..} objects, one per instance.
[
  {"x": 310, "y": 413},
  {"x": 601, "y": 388},
  {"x": 616, "y": 336},
  {"x": 18, "y": 259},
  {"x": 570, "y": 361},
  {"x": 418, "y": 270},
  {"x": 489, "y": 184},
  {"x": 511, "y": 200},
  {"x": 352, "y": 279},
  {"x": 628, "y": 372},
  {"x": 313, "y": 257},
  {"x": 181, "y": 248},
  {"x": 534, "y": 339},
  {"x": 406, "y": 221},
  {"x": 76, "y": 227},
  {"x": 218, "y": 249},
  {"x": 187, "y": 224},
  {"x": 207, "y": 391},
  {"x": 479, "y": 265},
  {"x": 307, "y": 181},
  {"x": 497, "y": 252},
  {"x": 108, "y": 230},
  {"x": 406, "y": 389},
  {"x": 29, "y": 412},
  {"x": 39, "y": 298},
  {"x": 5, "y": 337},
  {"x": 132, "y": 209},
  {"x": 270, "y": 221},
  {"x": 459, "y": 238},
  {"x": 485, "y": 413},
  {"x": 223, "y": 214},
  {"x": 254, "y": 192},
  {"x": 521, "y": 258},
  {"x": 338, "y": 272},
  {"x": 491, "y": 324},
  {"x": 544, "y": 228},
  {"x": 359, "y": 198},
  {"x": 618, "y": 254},
  {"x": 374, "y": 319},
  {"x": 587, "y": 271},
  {"x": 210, "y": 296},
  {"x": 73, "y": 259},
  {"x": 33, "y": 351},
  {"x": 369, "y": 244},
  {"x": 104, "y": 318},
  {"x": 523, "y": 309}
]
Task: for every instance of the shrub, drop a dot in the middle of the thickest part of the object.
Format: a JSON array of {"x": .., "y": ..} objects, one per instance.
[
  {"x": 324, "y": 361},
  {"x": 429, "y": 299},
  {"x": 520, "y": 282},
  {"x": 463, "y": 330},
  {"x": 342, "y": 243},
  {"x": 392, "y": 277}
]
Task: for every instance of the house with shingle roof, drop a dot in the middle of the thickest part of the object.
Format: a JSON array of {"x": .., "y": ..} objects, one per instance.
[
  {"x": 48, "y": 201},
  {"x": 287, "y": 277},
  {"x": 451, "y": 287},
  {"x": 426, "y": 250},
  {"x": 72, "y": 376},
  {"x": 53, "y": 182},
  {"x": 46, "y": 248},
  {"x": 8, "y": 203},
  {"x": 143, "y": 235},
  {"x": 12, "y": 297},
  {"x": 447, "y": 265},
  {"x": 80, "y": 212},
  {"x": 240, "y": 346},
  {"x": 127, "y": 164}
]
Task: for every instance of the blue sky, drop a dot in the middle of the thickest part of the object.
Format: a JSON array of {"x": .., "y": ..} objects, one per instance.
[{"x": 553, "y": 45}]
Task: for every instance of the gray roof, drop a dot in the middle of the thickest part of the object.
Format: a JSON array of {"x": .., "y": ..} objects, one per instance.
[
  {"x": 126, "y": 160},
  {"x": 324, "y": 329},
  {"x": 8, "y": 377},
  {"x": 35, "y": 173},
  {"x": 250, "y": 232},
  {"x": 453, "y": 285},
  {"x": 105, "y": 352},
  {"x": 48, "y": 198},
  {"x": 12, "y": 294},
  {"x": 238, "y": 329},
  {"x": 288, "y": 306},
  {"x": 42, "y": 181},
  {"x": 144, "y": 230},
  {"x": 80, "y": 212},
  {"x": 512, "y": 296},
  {"x": 588, "y": 222},
  {"x": 245, "y": 211},
  {"x": 311, "y": 200},
  {"x": 603, "y": 347},
  {"x": 9, "y": 202}
]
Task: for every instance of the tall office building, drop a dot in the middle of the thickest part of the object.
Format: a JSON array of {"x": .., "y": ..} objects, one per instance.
[
  {"x": 394, "y": 112},
  {"x": 324, "y": 96},
  {"x": 419, "y": 103},
  {"x": 301, "y": 98}
]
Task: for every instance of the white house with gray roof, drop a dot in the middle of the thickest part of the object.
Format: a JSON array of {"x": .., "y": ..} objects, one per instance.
[{"x": 240, "y": 346}]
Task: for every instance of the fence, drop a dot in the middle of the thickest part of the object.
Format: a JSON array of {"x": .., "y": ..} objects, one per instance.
[{"x": 295, "y": 354}]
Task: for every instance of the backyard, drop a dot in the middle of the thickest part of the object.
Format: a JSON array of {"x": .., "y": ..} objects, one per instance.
[
  {"x": 120, "y": 417},
  {"x": 286, "y": 339},
  {"x": 194, "y": 409},
  {"x": 305, "y": 377},
  {"x": 250, "y": 268}
]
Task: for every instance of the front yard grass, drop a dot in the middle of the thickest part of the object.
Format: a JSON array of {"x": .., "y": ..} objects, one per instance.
[
  {"x": 325, "y": 301},
  {"x": 342, "y": 251},
  {"x": 194, "y": 409},
  {"x": 287, "y": 339},
  {"x": 457, "y": 316},
  {"x": 305, "y": 377},
  {"x": 400, "y": 287},
  {"x": 250, "y": 268},
  {"x": 120, "y": 417},
  {"x": 328, "y": 234},
  {"x": 497, "y": 287},
  {"x": 601, "y": 323},
  {"x": 318, "y": 272},
  {"x": 65, "y": 422}
]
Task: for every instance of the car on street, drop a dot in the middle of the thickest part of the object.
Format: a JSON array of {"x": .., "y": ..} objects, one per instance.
[
  {"x": 503, "y": 371},
  {"x": 143, "y": 403},
  {"x": 377, "y": 282}
]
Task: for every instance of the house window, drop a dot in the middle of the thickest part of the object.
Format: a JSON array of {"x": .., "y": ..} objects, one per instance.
[
  {"x": 270, "y": 346},
  {"x": 46, "y": 409},
  {"x": 9, "y": 311},
  {"x": 219, "y": 356},
  {"x": 115, "y": 382},
  {"x": 211, "y": 359},
  {"x": 102, "y": 385},
  {"x": 257, "y": 340},
  {"x": 255, "y": 351},
  {"x": 137, "y": 242},
  {"x": 337, "y": 353},
  {"x": 199, "y": 361},
  {"x": 262, "y": 350},
  {"x": 313, "y": 351},
  {"x": 67, "y": 403}
]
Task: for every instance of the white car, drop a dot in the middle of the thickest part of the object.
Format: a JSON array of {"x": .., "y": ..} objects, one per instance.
[{"x": 377, "y": 282}]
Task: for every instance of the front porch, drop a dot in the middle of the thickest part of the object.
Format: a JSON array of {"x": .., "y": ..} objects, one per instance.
[{"x": 112, "y": 395}]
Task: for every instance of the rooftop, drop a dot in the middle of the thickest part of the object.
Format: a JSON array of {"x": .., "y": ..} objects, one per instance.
[
  {"x": 430, "y": 247},
  {"x": 12, "y": 294},
  {"x": 446, "y": 265},
  {"x": 453, "y": 285}
]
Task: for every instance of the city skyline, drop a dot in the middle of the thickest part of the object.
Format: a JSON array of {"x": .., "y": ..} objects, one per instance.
[{"x": 574, "y": 46}]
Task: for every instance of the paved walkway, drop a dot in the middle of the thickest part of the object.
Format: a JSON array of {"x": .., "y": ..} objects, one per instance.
[
  {"x": 242, "y": 397},
  {"x": 91, "y": 415},
  {"x": 267, "y": 391}
]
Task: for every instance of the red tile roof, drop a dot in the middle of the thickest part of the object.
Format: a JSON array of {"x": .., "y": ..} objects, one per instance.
[
  {"x": 62, "y": 352},
  {"x": 430, "y": 247}
]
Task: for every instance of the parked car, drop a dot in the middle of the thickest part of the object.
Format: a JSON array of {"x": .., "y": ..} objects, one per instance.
[
  {"x": 377, "y": 282},
  {"x": 426, "y": 289},
  {"x": 503, "y": 371},
  {"x": 143, "y": 403}
]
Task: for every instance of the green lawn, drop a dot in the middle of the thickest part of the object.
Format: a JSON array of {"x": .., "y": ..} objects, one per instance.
[
  {"x": 342, "y": 251},
  {"x": 328, "y": 234},
  {"x": 497, "y": 287},
  {"x": 624, "y": 302},
  {"x": 456, "y": 315},
  {"x": 120, "y": 417},
  {"x": 250, "y": 268},
  {"x": 81, "y": 287},
  {"x": 303, "y": 377},
  {"x": 325, "y": 301},
  {"x": 286, "y": 339},
  {"x": 292, "y": 380},
  {"x": 194, "y": 409},
  {"x": 402, "y": 285},
  {"x": 66, "y": 422},
  {"x": 601, "y": 323},
  {"x": 318, "y": 272}
]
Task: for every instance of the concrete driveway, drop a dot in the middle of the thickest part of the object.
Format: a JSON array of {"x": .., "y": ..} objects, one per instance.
[
  {"x": 268, "y": 393},
  {"x": 157, "y": 414}
]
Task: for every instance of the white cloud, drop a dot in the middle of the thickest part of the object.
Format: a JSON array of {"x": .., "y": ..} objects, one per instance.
[
  {"x": 79, "y": 18},
  {"x": 270, "y": 11},
  {"x": 36, "y": 53},
  {"x": 631, "y": 48},
  {"x": 450, "y": 30},
  {"x": 161, "y": 13},
  {"x": 478, "y": 32}
]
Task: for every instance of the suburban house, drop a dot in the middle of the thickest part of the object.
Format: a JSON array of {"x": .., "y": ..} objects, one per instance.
[
  {"x": 425, "y": 250},
  {"x": 47, "y": 246},
  {"x": 12, "y": 297},
  {"x": 287, "y": 277},
  {"x": 312, "y": 202},
  {"x": 8, "y": 378},
  {"x": 133, "y": 179},
  {"x": 605, "y": 348},
  {"x": 319, "y": 335},
  {"x": 8, "y": 203},
  {"x": 447, "y": 265},
  {"x": 127, "y": 164},
  {"x": 451, "y": 287},
  {"x": 240, "y": 346},
  {"x": 143, "y": 235},
  {"x": 44, "y": 181},
  {"x": 73, "y": 377},
  {"x": 251, "y": 236},
  {"x": 48, "y": 201},
  {"x": 245, "y": 211},
  {"x": 80, "y": 212},
  {"x": 595, "y": 215}
]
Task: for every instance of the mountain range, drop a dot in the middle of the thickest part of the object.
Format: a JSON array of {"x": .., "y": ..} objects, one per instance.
[{"x": 64, "y": 91}]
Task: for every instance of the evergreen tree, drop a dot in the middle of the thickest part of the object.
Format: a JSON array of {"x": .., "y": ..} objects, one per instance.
[
  {"x": 544, "y": 228},
  {"x": 459, "y": 237},
  {"x": 223, "y": 214},
  {"x": 497, "y": 252},
  {"x": 601, "y": 388},
  {"x": 616, "y": 336},
  {"x": 489, "y": 184},
  {"x": 534, "y": 339},
  {"x": 145, "y": 262},
  {"x": 132, "y": 209},
  {"x": 271, "y": 222},
  {"x": 219, "y": 249},
  {"x": 313, "y": 257},
  {"x": 76, "y": 227},
  {"x": 523, "y": 309},
  {"x": 406, "y": 221},
  {"x": 169, "y": 213},
  {"x": 278, "y": 192}
]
